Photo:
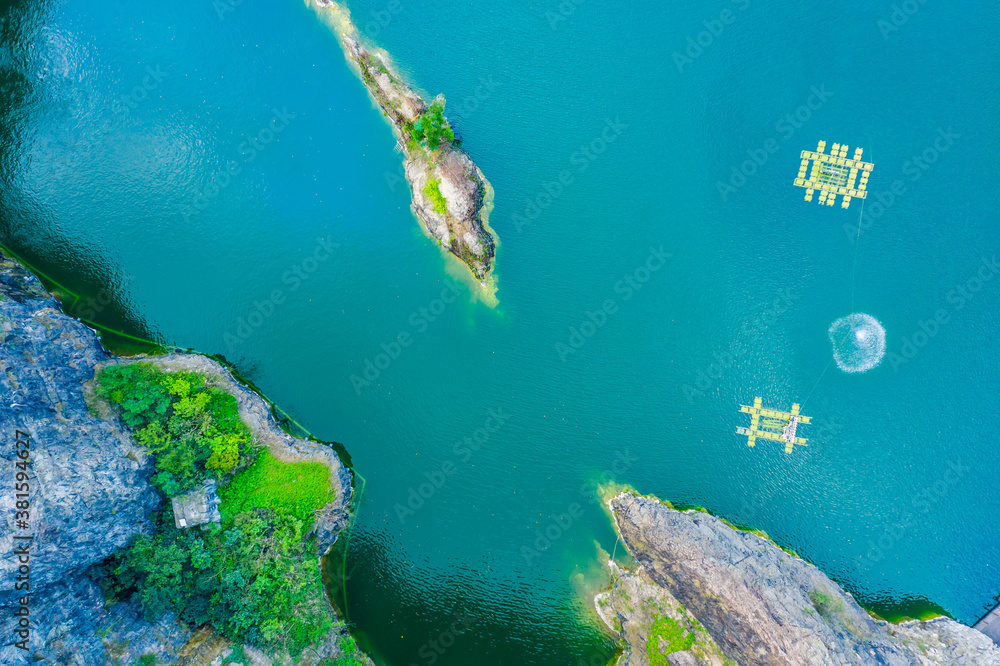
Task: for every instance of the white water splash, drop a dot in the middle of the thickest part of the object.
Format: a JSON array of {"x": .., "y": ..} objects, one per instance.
[{"x": 858, "y": 342}]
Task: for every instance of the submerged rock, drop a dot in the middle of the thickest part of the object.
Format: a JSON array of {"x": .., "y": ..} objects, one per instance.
[{"x": 763, "y": 606}]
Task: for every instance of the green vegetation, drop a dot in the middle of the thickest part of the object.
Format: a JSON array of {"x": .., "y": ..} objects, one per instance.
[
  {"x": 255, "y": 579},
  {"x": 295, "y": 489},
  {"x": 237, "y": 656},
  {"x": 147, "y": 660},
  {"x": 349, "y": 658},
  {"x": 828, "y": 607},
  {"x": 192, "y": 430},
  {"x": 431, "y": 128},
  {"x": 665, "y": 637},
  {"x": 432, "y": 190},
  {"x": 412, "y": 143}
]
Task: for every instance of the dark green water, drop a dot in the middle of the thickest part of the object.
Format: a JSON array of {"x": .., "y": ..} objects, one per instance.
[{"x": 143, "y": 166}]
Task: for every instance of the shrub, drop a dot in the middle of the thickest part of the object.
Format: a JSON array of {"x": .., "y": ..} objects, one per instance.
[
  {"x": 138, "y": 389},
  {"x": 256, "y": 582},
  {"x": 225, "y": 452},
  {"x": 432, "y": 190},
  {"x": 190, "y": 429},
  {"x": 827, "y": 606}
]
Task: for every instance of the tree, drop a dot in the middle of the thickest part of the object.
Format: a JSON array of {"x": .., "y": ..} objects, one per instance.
[{"x": 432, "y": 126}]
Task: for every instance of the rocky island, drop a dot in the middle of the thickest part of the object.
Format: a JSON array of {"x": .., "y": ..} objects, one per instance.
[
  {"x": 104, "y": 571},
  {"x": 705, "y": 593},
  {"x": 451, "y": 196}
]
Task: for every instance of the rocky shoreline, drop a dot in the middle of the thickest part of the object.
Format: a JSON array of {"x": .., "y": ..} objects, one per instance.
[
  {"x": 450, "y": 195},
  {"x": 90, "y": 494},
  {"x": 759, "y": 604}
]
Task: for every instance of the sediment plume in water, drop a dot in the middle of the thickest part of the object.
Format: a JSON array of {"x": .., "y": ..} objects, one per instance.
[{"x": 858, "y": 342}]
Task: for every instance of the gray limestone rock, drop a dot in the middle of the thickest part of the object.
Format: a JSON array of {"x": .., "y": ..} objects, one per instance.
[{"x": 763, "y": 606}]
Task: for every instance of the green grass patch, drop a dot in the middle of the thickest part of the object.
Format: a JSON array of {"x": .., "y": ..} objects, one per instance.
[
  {"x": 296, "y": 489},
  {"x": 827, "y": 606},
  {"x": 432, "y": 190},
  {"x": 666, "y": 636}
]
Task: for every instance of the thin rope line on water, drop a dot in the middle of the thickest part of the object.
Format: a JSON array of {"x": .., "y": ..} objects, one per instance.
[
  {"x": 76, "y": 299},
  {"x": 854, "y": 269},
  {"x": 348, "y": 532},
  {"x": 857, "y": 243},
  {"x": 829, "y": 363}
]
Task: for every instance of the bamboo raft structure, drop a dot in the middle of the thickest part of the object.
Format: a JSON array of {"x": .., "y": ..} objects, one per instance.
[
  {"x": 834, "y": 174},
  {"x": 773, "y": 424}
]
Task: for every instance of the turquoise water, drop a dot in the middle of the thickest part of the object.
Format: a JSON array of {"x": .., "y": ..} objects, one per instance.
[{"x": 130, "y": 174}]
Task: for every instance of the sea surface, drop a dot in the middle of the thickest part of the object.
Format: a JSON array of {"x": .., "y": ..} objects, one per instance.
[{"x": 214, "y": 176}]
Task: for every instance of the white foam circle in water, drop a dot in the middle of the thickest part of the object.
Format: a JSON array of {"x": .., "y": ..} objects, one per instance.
[{"x": 858, "y": 342}]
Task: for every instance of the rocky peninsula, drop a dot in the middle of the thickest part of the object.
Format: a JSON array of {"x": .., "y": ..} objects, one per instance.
[
  {"x": 90, "y": 495},
  {"x": 706, "y": 593},
  {"x": 450, "y": 195}
]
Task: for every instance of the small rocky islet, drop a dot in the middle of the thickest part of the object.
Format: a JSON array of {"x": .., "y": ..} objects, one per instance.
[{"x": 450, "y": 195}]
